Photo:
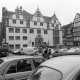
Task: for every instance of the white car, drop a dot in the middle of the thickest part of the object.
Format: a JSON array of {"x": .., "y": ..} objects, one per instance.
[
  {"x": 58, "y": 68},
  {"x": 30, "y": 50},
  {"x": 74, "y": 50},
  {"x": 64, "y": 50},
  {"x": 17, "y": 52}
]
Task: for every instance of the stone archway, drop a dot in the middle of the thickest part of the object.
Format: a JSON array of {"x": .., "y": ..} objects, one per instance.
[{"x": 38, "y": 41}]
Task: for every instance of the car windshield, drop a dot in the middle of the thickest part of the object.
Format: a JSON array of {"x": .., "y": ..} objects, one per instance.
[{"x": 45, "y": 73}]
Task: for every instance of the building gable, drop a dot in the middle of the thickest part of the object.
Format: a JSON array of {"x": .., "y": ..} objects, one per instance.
[
  {"x": 77, "y": 17},
  {"x": 38, "y": 16},
  {"x": 54, "y": 19}
]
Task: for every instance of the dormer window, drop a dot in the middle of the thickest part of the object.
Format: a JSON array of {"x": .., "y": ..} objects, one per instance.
[
  {"x": 41, "y": 24},
  {"x": 21, "y": 22},
  {"x": 17, "y": 15},
  {"x": 54, "y": 21},
  {"x": 35, "y": 23},
  {"x": 14, "y": 21}
]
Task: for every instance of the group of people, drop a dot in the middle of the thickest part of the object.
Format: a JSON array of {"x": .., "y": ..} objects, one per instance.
[{"x": 47, "y": 53}]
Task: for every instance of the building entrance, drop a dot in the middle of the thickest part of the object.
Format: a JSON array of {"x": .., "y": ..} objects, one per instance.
[{"x": 38, "y": 41}]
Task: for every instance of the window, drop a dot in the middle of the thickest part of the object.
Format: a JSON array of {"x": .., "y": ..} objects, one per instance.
[
  {"x": 11, "y": 30},
  {"x": 41, "y": 24},
  {"x": 45, "y": 73},
  {"x": 54, "y": 21},
  {"x": 17, "y": 37},
  {"x": 24, "y": 37},
  {"x": 45, "y": 31},
  {"x": 24, "y": 45},
  {"x": 19, "y": 66},
  {"x": 28, "y": 23},
  {"x": 35, "y": 23},
  {"x": 11, "y": 37},
  {"x": 39, "y": 31},
  {"x": 56, "y": 32},
  {"x": 12, "y": 69},
  {"x": 11, "y": 46},
  {"x": 17, "y": 15},
  {"x": 24, "y": 30},
  {"x": 24, "y": 65},
  {"x": 48, "y": 25},
  {"x": 17, "y": 30},
  {"x": 32, "y": 43},
  {"x": 52, "y": 25},
  {"x": 17, "y": 46},
  {"x": 14, "y": 21},
  {"x": 21, "y": 22},
  {"x": 68, "y": 32},
  {"x": 31, "y": 31}
]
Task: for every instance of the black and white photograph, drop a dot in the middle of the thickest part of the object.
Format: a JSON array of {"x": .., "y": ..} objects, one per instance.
[{"x": 39, "y": 39}]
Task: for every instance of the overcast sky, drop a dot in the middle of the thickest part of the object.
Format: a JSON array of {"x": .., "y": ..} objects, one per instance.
[{"x": 64, "y": 9}]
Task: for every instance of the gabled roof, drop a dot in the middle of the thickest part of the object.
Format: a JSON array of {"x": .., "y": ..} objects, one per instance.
[
  {"x": 28, "y": 15},
  {"x": 76, "y": 16},
  {"x": 54, "y": 17}
]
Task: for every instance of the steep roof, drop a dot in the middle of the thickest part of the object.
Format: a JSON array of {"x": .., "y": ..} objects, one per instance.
[
  {"x": 28, "y": 15},
  {"x": 78, "y": 14},
  {"x": 9, "y": 13}
]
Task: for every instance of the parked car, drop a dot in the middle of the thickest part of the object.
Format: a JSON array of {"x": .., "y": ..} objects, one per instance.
[
  {"x": 18, "y": 67},
  {"x": 74, "y": 49},
  {"x": 30, "y": 51},
  {"x": 58, "y": 68},
  {"x": 17, "y": 52},
  {"x": 64, "y": 50}
]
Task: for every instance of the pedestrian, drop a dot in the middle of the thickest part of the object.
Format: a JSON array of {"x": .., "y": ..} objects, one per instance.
[
  {"x": 49, "y": 53},
  {"x": 45, "y": 53}
]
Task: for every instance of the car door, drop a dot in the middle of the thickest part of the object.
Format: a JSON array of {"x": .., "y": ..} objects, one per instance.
[{"x": 19, "y": 70}]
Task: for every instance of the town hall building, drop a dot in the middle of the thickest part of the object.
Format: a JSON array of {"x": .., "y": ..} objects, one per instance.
[{"x": 21, "y": 29}]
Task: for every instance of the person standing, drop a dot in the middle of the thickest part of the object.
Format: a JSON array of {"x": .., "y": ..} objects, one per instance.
[
  {"x": 49, "y": 53},
  {"x": 45, "y": 53}
]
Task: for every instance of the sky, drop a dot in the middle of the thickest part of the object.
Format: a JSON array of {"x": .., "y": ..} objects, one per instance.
[{"x": 65, "y": 10}]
